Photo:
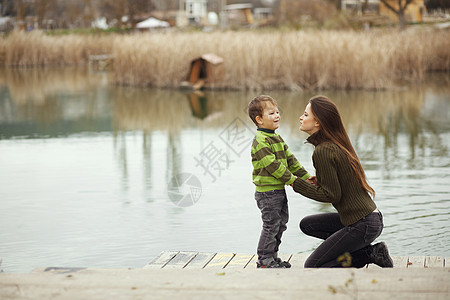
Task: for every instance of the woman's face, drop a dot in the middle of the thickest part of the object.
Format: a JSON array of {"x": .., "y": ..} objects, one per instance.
[{"x": 308, "y": 122}]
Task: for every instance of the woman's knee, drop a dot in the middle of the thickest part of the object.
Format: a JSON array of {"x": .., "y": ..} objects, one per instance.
[
  {"x": 311, "y": 263},
  {"x": 304, "y": 225}
]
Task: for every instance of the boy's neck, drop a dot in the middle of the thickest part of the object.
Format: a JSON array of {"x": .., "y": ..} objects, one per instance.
[{"x": 266, "y": 130}]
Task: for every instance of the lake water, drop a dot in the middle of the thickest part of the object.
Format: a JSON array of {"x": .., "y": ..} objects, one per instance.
[{"x": 94, "y": 175}]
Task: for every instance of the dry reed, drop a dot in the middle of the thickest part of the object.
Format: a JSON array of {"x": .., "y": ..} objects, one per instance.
[
  {"x": 37, "y": 49},
  {"x": 252, "y": 60}
]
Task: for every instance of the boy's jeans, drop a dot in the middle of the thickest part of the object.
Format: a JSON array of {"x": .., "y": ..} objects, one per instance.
[
  {"x": 274, "y": 215},
  {"x": 354, "y": 239}
]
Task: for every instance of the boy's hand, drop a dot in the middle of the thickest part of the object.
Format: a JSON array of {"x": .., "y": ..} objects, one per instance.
[
  {"x": 292, "y": 184},
  {"x": 312, "y": 180}
]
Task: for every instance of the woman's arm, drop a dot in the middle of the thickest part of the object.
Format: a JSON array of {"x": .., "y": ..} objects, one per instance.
[
  {"x": 294, "y": 165},
  {"x": 326, "y": 165}
]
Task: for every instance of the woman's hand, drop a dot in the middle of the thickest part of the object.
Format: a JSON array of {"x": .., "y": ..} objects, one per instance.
[{"x": 312, "y": 180}]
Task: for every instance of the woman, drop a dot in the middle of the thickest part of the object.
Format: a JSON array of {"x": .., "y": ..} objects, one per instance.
[{"x": 340, "y": 180}]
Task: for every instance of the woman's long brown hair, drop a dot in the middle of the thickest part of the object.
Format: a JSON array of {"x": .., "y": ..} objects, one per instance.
[{"x": 332, "y": 128}]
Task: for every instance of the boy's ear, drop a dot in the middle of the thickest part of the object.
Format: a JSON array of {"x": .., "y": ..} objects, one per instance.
[{"x": 259, "y": 120}]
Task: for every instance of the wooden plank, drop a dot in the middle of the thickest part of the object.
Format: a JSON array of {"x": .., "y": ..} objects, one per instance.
[
  {"x": 161, "y": 260},
  {"x": 416, "y": 261},
  {"x": 239, "y": 261},
  {"x": 434, "y": 262},
  {"x": 195, "y": 71},
  {"x": 200, "y": 260},
  {"x": 220, "y": 260},
  {"x": 180, "y": 260},
  {"x": 199, "y": 84},
  {"x": 400, "y": 261},
  {"x": 297, "y": 260}
]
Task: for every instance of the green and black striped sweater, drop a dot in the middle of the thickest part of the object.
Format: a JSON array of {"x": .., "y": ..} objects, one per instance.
[
  {"x": 337, "y": 183},
  {"x": 274, "y": 166}
]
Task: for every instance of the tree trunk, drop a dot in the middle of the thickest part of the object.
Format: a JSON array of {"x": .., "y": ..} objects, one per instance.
[
  {"x": 400, "y": 12},
  {"x": 401, "y": 18},
  {"x": 20, "y": 8}
]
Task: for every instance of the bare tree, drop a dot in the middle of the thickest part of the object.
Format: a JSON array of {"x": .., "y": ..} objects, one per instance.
[
  {"x": 400, "y": 11},
  {"x": 337, "y": 3},
  {"x": 436, "y": 4},
  {"x": 166, "y": 4},
  {"x": 20, "y": 9},
  {"x": 114, "y": 10},
  {"x": 136, "y": 6},
  {"x": 41, "y": 8},
  {"x": 4, "y": 7}
]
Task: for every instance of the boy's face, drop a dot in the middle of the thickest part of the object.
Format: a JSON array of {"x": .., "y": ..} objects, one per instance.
[{"x": 270, "y": 118}]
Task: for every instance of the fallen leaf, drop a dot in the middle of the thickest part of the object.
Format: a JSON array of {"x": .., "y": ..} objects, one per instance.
[
  {"x": 332, "y": 289},
  {"x": 374, "y": 281},
  {"x": 221, "y": 274}
]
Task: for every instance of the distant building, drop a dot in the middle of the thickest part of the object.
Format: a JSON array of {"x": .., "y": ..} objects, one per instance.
[
  {"x": 239, "y": 14},
  {"x": 414, "y": 11},
  {"x": 196, "y": 11},
  {"x": 360, "y": 5},
  {"x": 264, "y": 16},
  {"x": 6, "y": 24},
  {"x": 152, "y": 24}
]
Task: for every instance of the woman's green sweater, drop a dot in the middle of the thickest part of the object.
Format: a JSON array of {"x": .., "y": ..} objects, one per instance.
[{"x": 337, "y": 183}]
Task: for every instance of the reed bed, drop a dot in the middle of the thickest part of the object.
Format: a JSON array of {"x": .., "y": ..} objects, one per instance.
[
  {"x": 253, "y": 60},
  {"x": 37, "y": 49}
]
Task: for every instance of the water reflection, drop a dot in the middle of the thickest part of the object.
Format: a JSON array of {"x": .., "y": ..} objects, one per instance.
[
  {"x": 52, "y": 102},
  {"x": 199, "y": 104},
  {"x": 111, "y": 151}
]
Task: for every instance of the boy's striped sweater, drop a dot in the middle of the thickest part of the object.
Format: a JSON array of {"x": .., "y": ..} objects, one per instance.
[{"x": 274, "y": 166}]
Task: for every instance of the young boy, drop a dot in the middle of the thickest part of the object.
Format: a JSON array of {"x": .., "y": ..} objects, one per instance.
[{"x": 274, "y": 166}]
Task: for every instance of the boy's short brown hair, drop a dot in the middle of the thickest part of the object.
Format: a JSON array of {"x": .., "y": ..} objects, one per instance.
[{"x": 257, "y": 105}]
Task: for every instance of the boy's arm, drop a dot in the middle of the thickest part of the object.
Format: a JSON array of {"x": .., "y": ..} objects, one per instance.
[
  {"x": 268, "y": 161},
  {"x": 294, "y": 165}
]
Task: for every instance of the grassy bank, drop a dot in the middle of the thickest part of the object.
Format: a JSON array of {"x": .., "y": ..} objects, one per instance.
[{"x": 252, "y": 60}]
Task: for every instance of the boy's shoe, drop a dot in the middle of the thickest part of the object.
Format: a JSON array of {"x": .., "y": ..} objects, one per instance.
[
  {"x": 283, "y": 263},
  {"x": 271, "y": 265},
  {"x": 380, "y": 256}
]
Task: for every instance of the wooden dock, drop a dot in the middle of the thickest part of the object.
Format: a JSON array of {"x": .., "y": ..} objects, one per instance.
[
  {"x": 204, "y": 275},
  {"x": 209, "y": 260}
]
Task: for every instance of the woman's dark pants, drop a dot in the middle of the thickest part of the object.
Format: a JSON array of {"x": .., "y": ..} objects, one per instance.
[{"x": 344, "y": 246}]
